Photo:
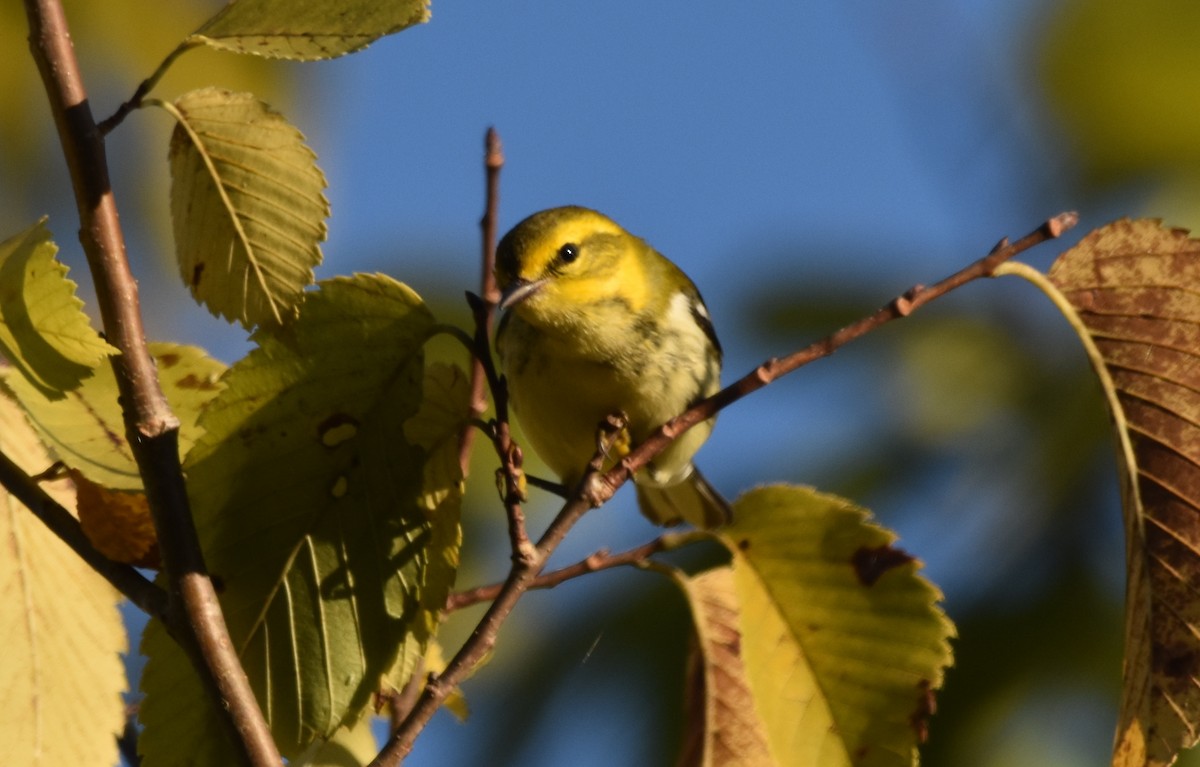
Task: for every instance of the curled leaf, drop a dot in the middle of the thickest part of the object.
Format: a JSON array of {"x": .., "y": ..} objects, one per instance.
[
  {"x": 843, "y": 642},
  {"x": 724, "y": 728},
  {"x": 1129, "y": 289}
]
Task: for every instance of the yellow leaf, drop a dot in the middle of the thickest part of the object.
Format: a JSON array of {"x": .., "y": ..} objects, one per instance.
[
  {"x": 1129, "y": 290},
  {"x": 307, "y": 31},
  {"x": 843, "y": 642},
  {"x": 352, "y": 746},
  {"x": 86, "y": 429},
  {"x": 246, "y": 204},
  {"x": 60, "y": 668},
  {"x": 43, "y": 330}
]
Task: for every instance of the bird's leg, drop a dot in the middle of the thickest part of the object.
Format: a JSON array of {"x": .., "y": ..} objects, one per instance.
[{"x": 612, "y": 438}]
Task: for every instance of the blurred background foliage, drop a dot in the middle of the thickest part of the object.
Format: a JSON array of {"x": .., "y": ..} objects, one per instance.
[{"x": 805, "y": 163}]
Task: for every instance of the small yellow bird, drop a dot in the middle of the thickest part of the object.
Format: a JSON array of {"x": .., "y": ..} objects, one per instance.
[{"x": 598, "y": 323}]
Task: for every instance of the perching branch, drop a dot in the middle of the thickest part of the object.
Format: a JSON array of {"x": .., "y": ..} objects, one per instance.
[
  {"x": 776, "y": 367},
  {"x": 194, "y": 615}
]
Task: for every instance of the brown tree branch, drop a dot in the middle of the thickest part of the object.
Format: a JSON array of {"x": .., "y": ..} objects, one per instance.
[
  {"x": 151, "y": 428},
  {"x": 493, "y": 161},
  {"x": 124, "y": 578},
  {"x": 593, "y": 563},
  {"x": 776, "y": 367}
]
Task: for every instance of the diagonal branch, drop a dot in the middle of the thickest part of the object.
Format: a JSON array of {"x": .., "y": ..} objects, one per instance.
[
  {"x": 194, "y": 615},
  {"x": 776, "y": 367},
  {"x": 126, "y": 579},
  {"x": 593, "y": 563}
]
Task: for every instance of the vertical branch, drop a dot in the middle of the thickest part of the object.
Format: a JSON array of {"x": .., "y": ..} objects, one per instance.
[
  {"x": 195, "y": 618},
  {"x": 493, "y": 161}
]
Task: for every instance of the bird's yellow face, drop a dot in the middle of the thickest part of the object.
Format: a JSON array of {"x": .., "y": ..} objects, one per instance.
[{"x": 562, "y": 262}]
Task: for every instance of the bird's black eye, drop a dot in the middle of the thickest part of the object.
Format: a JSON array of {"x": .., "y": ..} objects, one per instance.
[{"x": 568, "y": 253}]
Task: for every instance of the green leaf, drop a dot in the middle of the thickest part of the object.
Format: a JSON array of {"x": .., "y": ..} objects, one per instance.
[
  {"x": 1129, "y": 291},
  {"x": 86, "y": 430},
  {"x": 61, "y": 670},
  {"x": 246, "y": 204},
  {"x": 43, "y": 331},
  {"x": 843, "y": 642},
  {"x": 318, "y": 516},
  {"x": 307, "y": 31}
]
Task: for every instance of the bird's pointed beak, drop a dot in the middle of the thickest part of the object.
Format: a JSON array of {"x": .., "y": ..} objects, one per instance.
[{"x": 519, "y": 291}]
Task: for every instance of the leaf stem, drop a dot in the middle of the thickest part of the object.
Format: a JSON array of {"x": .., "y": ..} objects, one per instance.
[
  {"x": 135, "y": 101},
  {"x": 152, "y": 430}
]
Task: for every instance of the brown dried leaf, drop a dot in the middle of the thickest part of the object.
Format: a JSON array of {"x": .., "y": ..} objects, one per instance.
[
  {"x": 723, "y": 728},
  {"x": 117, "y": 522},
  {"x": 1132, "y": 293}
]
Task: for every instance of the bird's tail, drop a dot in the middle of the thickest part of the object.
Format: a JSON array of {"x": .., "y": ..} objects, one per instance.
[{"x": 693, "y": 500}]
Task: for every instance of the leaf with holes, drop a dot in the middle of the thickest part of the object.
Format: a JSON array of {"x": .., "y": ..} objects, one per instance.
[
  {"x": 843, "y": 642},
  {"x": 306, "y": 31},
  {"x": 44, "y": 333},
  {"x": 61, "y": 669},
  {"x": 313, "y": 501},
  {"x": 1129, "y": 290},
  {"x": 247, "y": 206}
]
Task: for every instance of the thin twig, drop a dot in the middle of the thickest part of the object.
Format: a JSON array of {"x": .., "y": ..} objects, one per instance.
[
  {"x": 774, "y": 368},
  {"x": 526, "y": 567},
  {"x": 493, "y": 161},
  {"x": 594, "y": 563},
  {"x": 152, "y": 430},
  {"x": 126, "y": 579},
  {"x": 135, "y": 101}
]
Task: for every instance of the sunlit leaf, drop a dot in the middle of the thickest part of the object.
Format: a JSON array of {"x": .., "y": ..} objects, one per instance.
[
  {"x": 62, "y": 636},
  {"x": 86, "y": 430},
  {"x": 43, "y": 331},
  {"x": 1129, "y": 289},
  {"x": 307, "y": 31},
  {"x": 353, "y": 746},
  {"x": 246, "y": 204},
  {"x": 310, "y": 502},
  {"x": 723, "y": 725},
  {"x": 843, "y": 642}
]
